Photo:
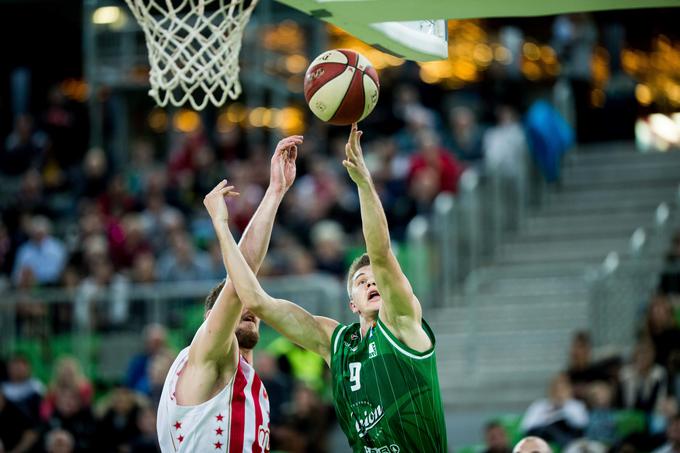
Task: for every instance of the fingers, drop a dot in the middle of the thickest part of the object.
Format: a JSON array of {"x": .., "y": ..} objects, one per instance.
[
  {"x": 292, "y": 153},
  {"x": 220, "y": 185},
  {"x": 290, "y": 141},
  {"x": 228, "y": 192}
]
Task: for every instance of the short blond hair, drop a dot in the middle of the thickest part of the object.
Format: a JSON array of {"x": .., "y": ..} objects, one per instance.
[{"x": 357, "y": 264}]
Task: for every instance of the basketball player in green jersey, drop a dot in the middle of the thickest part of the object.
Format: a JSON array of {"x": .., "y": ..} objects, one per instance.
[{"x": 385, "y": 386}]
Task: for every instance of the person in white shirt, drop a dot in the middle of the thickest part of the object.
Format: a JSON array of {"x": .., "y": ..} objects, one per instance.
[{"x": 559, "y": 418}]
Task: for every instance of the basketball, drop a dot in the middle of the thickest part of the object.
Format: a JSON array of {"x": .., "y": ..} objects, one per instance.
[{"x": 341, "y": 87}]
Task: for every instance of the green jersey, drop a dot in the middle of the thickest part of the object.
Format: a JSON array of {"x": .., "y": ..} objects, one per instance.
[{"x": 386, "y": 394}]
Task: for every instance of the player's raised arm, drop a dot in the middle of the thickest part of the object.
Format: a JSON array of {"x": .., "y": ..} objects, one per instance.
[
  {"x": 401, "y": 310},
  {"x": 294, "y": 322},
  {"x": 217, "y": 333}
]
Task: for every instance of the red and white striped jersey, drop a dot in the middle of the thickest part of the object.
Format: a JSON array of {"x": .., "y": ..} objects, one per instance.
[{"x": 235, "y": 420}]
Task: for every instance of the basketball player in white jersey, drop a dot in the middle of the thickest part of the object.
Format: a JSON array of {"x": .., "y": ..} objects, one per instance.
[{"x": 212, "y": 399}]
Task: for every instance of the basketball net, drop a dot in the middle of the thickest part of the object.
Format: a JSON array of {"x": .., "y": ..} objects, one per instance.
[{"x": 193, "y": 48}]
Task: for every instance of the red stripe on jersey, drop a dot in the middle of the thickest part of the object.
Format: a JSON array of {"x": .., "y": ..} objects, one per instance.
[
  {"x": 238, "y": 412},
  {"x": 257, "y": 385}
]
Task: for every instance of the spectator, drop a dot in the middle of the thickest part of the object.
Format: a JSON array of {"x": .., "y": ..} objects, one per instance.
[
  {"x": 673, "y": 437},
  {"x": 22, "y": 389},
  {"x": 581, "y": 370},
  {"x": 42, "y": 258},
  {"x": 183, "y": 262},
  {"x": 147, "y": 439},
  {"x": 662, "y": 329},
  {"x": 158, "y": 370},
  {"x": 670, "y": 279},
  {"x": 24, "y": 147},
  {"x": 93, "y": 178},
  {"x": 306, "y": 425},
  {"x": 144, "y": 268},
  {"x": 466, "y": 135},
  {"x": 17, "y": 431},
  {"x": 505, "y": 145},
  {"x": 328, "y": 241},
  {"x": 70, "y": 414},
  {"x": 158, "y": 218},
  {"x": 644, "y": 384},
  {"x": 118, "y": 426},
  {"x": 434, "y": 165},
  {"x": 496, "y": 438},
  {"x": 138, "y": 372},
  {"x": 59, "y": 441},
  {"x": 279, "y": 385},
  {"x": 559, "y": 418},
  {"x": 602, "y": 421},
  {"x": 67, "y": 375},
  {"x": 532, "y": 444}
]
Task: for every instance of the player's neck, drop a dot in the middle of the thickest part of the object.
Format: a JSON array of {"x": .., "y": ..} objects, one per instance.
[
  {"x": 247, "y": 354},
  {"x": 367, "y": 323}
]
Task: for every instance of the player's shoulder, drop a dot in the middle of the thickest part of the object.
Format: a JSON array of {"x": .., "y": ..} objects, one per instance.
[
  {"x": 390, "y": 339},
  {"x": 344, "y": 333}
]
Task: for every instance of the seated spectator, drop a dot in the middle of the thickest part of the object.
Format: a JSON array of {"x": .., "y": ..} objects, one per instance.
[
  {"x": 662, "y": 329},
  {"x": 673, "y": 437},
  {"x": 59, "y": 441},
  {"x": 644, "y": 384},
  {"x": 306, "y": 424},
  {"x": 279, "y": 385},
  {"x": 138, "y": 372},
  {"x": 505, "y": 145},
  {"x": 70, "y": 414},
  {"x": 532, "y": 444},
  {"x": 559, "y": 418},
  {"x": 17, "y": 431},
  {"x": 147, "y": 439},
  {"x": 22, "y": 388},
  {"x": 24, "y": 147},
  {"x": 581, "y": 370},
  {"x": 42, "y": 258},
  {"x": 117, "y": 427},
  {"x": 466, "y": 134},
  {"x": 496, "y": 438},
  {"x": 182, "y": 262},
  {"x": 601, "y": 422},
  {"x": 432, "y": 156},
  {"x": 67, "y": 375},
  {"x": 328, "y": 241},
  {"x": 670, "y": 278}
]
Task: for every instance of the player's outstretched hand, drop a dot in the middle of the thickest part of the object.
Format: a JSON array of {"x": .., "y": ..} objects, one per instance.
[
  {"x": 354, "y": 162},
  {"x": 282, "y": 172},
  {"x": 215, "y": 202}
]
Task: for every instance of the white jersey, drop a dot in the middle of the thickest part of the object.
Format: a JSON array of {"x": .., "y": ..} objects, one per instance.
[{"x": 235, "y": 420}]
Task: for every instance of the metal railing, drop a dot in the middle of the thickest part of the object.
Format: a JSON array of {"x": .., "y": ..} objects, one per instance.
[
  {"x": 63, "y": 320},
  {"x": 463, "y": 231},
  {"x": 622, "y": 285}
]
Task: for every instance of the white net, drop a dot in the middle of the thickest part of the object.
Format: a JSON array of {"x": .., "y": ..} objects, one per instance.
[{"x": 193, "y": 48}]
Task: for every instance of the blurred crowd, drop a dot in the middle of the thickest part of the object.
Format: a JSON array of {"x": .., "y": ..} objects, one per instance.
[
  {"x": 68, "y": 414},
  {"x": 603, "y": 401}
]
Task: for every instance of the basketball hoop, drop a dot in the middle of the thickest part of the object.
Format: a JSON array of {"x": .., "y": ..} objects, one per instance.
[{"x": 193, "y": 48}]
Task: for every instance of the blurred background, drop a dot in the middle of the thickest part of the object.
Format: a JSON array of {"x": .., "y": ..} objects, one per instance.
[{"x": 532, "y": 187}]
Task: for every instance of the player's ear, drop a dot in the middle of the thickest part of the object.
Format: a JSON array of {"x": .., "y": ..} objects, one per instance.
[
  {"x": 353, "y": 307},
  {"x": 207, "y": 313}
]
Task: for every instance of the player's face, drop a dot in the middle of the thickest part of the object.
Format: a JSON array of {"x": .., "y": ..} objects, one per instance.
[
  {"x": 248, "y": 330},
  {"x": 366, "y": 299}
]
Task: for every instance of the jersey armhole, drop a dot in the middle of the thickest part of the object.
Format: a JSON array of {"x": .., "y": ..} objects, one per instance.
[
  {"x": 337, "y": 337},
  {"x": 401, "y": 347}
]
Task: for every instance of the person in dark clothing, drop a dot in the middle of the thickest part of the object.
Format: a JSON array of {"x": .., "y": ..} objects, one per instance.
[{"x": 17, "y": 431}]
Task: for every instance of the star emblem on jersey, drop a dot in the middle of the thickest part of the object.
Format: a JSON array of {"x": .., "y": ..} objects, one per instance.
[
  {"x": 178, "y": 425},
  {"x": 218, "y": 445},
  {"x": 219, "y": 417},
  {"x": 219, "y": 431},
  {"x": 180, "y": 438}
]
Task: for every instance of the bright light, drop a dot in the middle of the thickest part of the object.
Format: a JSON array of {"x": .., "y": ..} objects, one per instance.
[
  {"x": 107, "y": 15},
  {"x": 256, "y": 116},
  {"x": 158, "y": 120},
  {"x": 503, "y": 55},
  {"x": 643, "y": 94},
  {"x": 531, "y": 51},
  {"x": 186, "y": 121},
  {"x": 296, "y": 63},
  {"x": 664, "y": 127}
]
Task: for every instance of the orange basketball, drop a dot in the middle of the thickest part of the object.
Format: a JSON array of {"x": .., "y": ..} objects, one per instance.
[{"x": 341, "y": 87}]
